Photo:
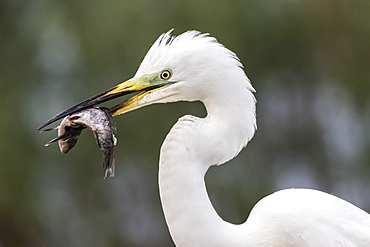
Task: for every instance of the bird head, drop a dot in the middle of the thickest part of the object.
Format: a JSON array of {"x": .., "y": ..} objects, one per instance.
[{"x": 189, "y": 67}]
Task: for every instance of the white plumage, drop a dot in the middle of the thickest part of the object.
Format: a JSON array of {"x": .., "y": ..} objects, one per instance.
[
  {"x": 195, "y": 67},
  {"x": 204, "y": 70}
]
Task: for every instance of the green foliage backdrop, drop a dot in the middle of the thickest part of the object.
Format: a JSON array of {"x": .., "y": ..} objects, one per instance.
[{"x": 309, "y": 61}]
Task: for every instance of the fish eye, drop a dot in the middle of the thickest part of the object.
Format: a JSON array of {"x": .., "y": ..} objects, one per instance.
[{"x": 166, "y": 74}]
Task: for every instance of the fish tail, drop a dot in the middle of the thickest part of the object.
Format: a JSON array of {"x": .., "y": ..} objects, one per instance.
[{"x": 109, "y": 164}]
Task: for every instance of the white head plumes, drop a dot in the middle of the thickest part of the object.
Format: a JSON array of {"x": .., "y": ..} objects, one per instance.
[{"x": 195, "y": 67}]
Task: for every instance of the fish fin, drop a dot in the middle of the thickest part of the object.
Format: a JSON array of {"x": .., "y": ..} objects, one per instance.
[
  {"x": 70, "y": 132},
  {"x": 49, "y": 129}
]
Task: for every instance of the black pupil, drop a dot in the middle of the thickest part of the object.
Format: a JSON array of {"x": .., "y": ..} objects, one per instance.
[{"x": 165, "y": 75}]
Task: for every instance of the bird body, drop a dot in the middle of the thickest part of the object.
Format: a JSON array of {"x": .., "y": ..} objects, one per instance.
[
  {"x": 305, "y": 217},
  {"x": 294, "y": 217},
  {"x": 195, "y": 67}
]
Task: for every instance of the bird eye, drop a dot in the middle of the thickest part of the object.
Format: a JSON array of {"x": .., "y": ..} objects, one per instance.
[{"x": 166, "y": 74}]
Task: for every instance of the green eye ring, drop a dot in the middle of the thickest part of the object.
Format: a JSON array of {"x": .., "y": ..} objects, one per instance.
[{"x": 166, "y": 74}]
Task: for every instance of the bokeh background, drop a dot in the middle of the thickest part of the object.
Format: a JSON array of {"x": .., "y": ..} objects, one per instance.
[{"x": 309, "y": 61}]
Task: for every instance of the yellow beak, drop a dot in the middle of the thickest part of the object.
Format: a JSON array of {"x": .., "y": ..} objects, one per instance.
[{"x": 144, "y": 85}]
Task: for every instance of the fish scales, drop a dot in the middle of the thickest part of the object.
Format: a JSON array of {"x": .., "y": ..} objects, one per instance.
[{"x": 99, "y": 121}]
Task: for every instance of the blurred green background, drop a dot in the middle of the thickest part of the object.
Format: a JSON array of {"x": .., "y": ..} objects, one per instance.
[{"x": 309, "y": 61}]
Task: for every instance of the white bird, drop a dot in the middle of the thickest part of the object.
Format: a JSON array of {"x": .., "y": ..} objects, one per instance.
[{"x": 195, "y": 67}]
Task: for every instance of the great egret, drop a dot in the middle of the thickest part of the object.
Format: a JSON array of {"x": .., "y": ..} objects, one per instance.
[{"x": 195, "y": 67}]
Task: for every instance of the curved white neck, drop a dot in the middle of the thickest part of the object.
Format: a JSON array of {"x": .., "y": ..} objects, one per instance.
[
  {"x": 190, "y": 216},
  {"x": 191, "y": 147}
]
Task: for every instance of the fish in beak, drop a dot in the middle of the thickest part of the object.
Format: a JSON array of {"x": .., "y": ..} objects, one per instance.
[{"x": 98, "y": 119}]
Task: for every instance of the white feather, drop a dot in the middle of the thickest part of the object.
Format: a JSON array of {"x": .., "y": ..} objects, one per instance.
[{"x": 205, "y": 70}]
